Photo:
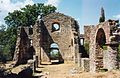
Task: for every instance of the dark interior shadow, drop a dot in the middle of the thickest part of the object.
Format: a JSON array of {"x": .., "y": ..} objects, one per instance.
[
  {"x": 26, "y": 73},
  {"x": 31, "y": 52},
  {"x": 36, "y": 71},
  {"x": 84, "y": 52},
  {"x": 40, "y": 67},
  {"x": 12, "y": 75},
  {"x": 55, "y": 63}
]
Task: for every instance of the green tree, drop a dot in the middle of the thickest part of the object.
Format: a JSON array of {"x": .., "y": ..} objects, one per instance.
[
  {"x": 24, "y": 17},
  {"x": 7, "y": 43},
  {"x": 2, "y": 28},
  {"x": 102, "y": 17},
  {"x": 27, "y": 15}
]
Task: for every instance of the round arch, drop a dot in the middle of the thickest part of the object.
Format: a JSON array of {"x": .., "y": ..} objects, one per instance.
[
  {"x": 100, "y": 44},
  {"x": 100, "y": 37},
  {"x": 54, "y": 45}
]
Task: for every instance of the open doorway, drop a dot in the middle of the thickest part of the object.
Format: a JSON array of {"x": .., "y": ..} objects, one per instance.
[
  {"x": 55, "y": 53},
  {"x": 100, "y": 45}
]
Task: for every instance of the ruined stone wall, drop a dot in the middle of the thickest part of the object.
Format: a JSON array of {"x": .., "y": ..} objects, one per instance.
[
  {"x": 22, "y": 53},
  {"x": 110, "y": 58},
  {"x": 111, "y": 53},
  {"x": 37, "y": 40},
  {"x": 87, "y": 31},
  {"x": 67, "y": 36}
]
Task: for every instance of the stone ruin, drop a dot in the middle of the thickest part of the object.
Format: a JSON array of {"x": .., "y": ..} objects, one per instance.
[
  {"x": 59, "y": 33},
  {"x": 54, "y": 32},
  {"x": 103, "y": 42}
]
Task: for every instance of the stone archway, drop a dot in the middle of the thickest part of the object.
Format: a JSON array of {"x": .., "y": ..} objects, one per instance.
[
  {"x": 102, "y": 51},
  {"x": 54, "y": 51},
  {"x": 100, "y": 45}
]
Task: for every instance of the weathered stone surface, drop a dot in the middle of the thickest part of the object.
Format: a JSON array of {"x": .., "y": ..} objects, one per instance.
[
  {"x": 43, "y": 34},
  {"x": 99, "y": 38},
  {"x": 62, "y": 30},
  {"x": 85, "y": 64},
  {"x": 23, "y": 50},
  {"x": 67, "y": 37}
]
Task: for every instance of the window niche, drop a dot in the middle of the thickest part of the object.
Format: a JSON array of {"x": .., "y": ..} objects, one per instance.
[
  {"x": 30, "y": 31},
  {"x": 55, "y": 27}
]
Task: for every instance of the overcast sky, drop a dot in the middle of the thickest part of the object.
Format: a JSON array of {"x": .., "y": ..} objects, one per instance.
[{"x": 86, "y": 12}]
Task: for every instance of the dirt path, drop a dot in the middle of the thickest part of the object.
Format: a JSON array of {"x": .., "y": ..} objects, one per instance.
[
  {"x": 57, "y": 71},
  {"x": 71, "y": 71}
]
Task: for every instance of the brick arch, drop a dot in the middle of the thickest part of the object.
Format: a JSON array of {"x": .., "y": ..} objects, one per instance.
[
  {"x": 106, "y": 30},
  {"x": 93, "y": 47},
  {"x": 99, "y": 46},
  {"x": 100, "y": 34}
]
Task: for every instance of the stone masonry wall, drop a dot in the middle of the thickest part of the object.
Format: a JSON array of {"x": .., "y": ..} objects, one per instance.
[
  {"x": 67, "y": 37},
  {"x": 22, "y": 53},
  {"x": 87, "y": 31},
  {"x": 111, "y": 52},
  {"x": 37, "y": 40}
]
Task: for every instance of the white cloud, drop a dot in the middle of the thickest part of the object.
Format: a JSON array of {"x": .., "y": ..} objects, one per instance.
[
  {"x": 53, "y": 2},
  {"x": 8, "y": 6},
  {"x": 117, "y": 16}
]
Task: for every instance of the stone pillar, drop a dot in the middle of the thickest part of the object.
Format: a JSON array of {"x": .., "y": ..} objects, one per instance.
[
  {"x": 85, "y": 64},
  {"x": 79, "y": 59},
  {"x": 77, "y": 54},
  {"x": 92, "y": 49},
  {"x": 112, "y": 58}
]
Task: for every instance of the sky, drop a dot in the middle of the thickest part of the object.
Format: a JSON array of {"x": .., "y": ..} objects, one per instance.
[{"x": 86, "y": 12}]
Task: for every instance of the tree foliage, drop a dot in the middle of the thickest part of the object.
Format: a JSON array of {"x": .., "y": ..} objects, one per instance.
[
  {"x": 27, "y": 15},
  {"x": 24, "y": 17},
  {"x": 102, "y": 19},
  {"x": 7, "y": 43}
]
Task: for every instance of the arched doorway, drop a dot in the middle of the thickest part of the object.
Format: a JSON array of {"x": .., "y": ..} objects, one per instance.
[
  {"x": 100, "y": 45},
  {"x": 54, "y": 52}
]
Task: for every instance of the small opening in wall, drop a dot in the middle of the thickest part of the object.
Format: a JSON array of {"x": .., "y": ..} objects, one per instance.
[
  {"x": 30, "y": 31},
  {"x": 71, "y": 42},
  {"x": 81, "y": 41},
  {"x": 31, "y": 42},
  {"x": 55, "y": 27}
]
